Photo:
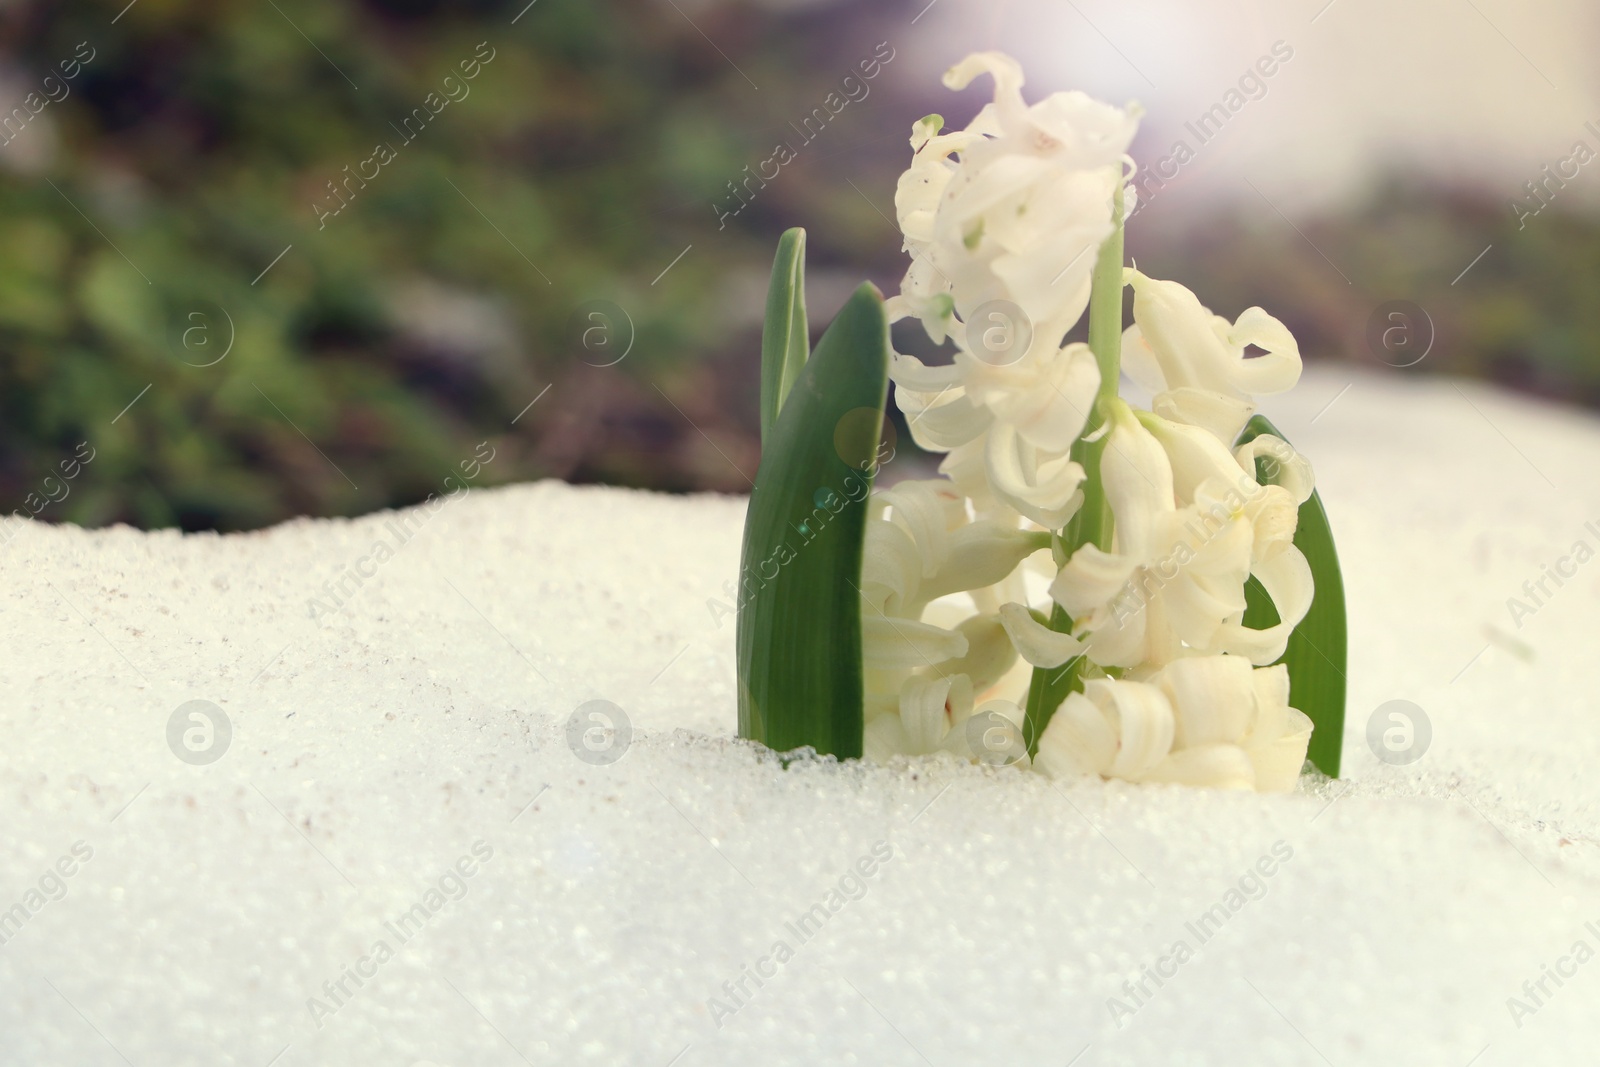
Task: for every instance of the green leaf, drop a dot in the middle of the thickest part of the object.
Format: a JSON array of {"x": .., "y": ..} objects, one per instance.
[
  {"x": 1316, "y": 655},
  {"x": 785, "y": 344},
  {"x": 799, "y": 631}
]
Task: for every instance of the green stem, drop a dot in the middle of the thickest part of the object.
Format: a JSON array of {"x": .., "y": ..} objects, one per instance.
[{"x": 1092, "y": 524}]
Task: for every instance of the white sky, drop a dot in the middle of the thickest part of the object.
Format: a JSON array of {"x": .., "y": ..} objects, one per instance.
[{"x": 1487, "y": 90}]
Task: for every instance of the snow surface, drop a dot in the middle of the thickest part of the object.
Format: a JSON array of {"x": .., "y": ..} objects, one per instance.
[{"x": 375, "y": 747}]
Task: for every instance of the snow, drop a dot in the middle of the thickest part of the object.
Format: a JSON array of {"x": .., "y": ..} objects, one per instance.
[{"x": 407, "y": 754}]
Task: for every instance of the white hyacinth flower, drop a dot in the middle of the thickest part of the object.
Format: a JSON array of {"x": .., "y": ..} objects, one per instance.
[
  {"x": 1192, "y": 525},
  {"x": 1002, "y": 220},
  {"x": 1005, "y": 221},
  {"x": 1019, "y": 213},
  {"x": 1201, "y": 720},
  {"x": 1194, "y": 361},
  {"x": 1008, "y": 429},
  {"x": 928, "y": 661}
]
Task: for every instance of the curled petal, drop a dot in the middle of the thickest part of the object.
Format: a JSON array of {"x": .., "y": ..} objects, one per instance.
[
  {"x": 1179, "y": 343},
  {"x": 945, "y": 421},
  {"x": 1279, "y": 369},
  {"x": 1007, "y": 74},
  {"x": 1143, "y": 720},
  {"x": 1285, "y": 466},
  {"x": 927, "y": 705},
  {"x": 1218, "y": 766},
  {"x": 890, "y": 642},
  {"x": 1220, "y": 538},
  {"x": 1287, "y": 579},
  {"x": 1271, "y": 685},
  {"x": 1275, "y": 516},
  {"x": 1131, "y": 631},
  {"x": 965, "y": 467},
  {"x": 1196, "y": 607},
  {"x": 1036, "y": 642},
  {"x": 1082, "y": 131},
  {"x": 1213, "y": 699},
  {"x": 1139, "y": 361},
  {"x": 1194, "y": 455},
  {"x": 926, "y": 510},
  {"x": 891, "y": 567},
  {"x": 1048, "y": 400},
  {"x": 1278, "y": 762},
  {"x": 1091, "y": 579},
  {"x": 989, "y": 653},
  {"x": 1079, "y": 740},
  {"x": 982, "y": 554},
  {"x": 1042, "y": 486},
  {"x": 911, "y": 375},
  {"x": 1221, "y": 414}
]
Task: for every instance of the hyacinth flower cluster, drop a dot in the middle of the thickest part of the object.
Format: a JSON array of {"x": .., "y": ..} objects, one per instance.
[{"x": 1089, "y": 587}]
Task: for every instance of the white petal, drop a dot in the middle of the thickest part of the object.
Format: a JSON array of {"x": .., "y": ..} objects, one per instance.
[
  {"x": 1036, "y": 642},
  {"x": 891, "y": 567},
  {"x": 1287, "y": 579},
  {"x": 910, "y": 374},
  {"x": 1130, "y": 632},
  {"x": 1048, "y": 400},
  {"x": 1139, "y": 361},
  {"x": 926, "y": 703},
  {"x": 891, "y": 642},
  {"x": 1048, "y": 251},
  {"x": 1279, "y": 369},
  {"x": 1218, "y": 766},
  {"x": 885, "y": 737},
  {"x": 1221, "y": 414},
  {"x": 965, "y": 467},
  {"x": 943, "y": 421},
  {"x": 1078, "y": 740},
  {"x": 1143, "y": 720},
  {"x": 992, "y": 733},
  {"x": 1274, "y": 516},
  {"x": 1285, "y": 466},
  {"x": 1213, "y": 699},
  {"x": 1278, "y": 763},
  {"x": 1007, "y": 73},
  {"x": 1138, "y": 484},
  {"x": 925, "y": 510},
  {"x": 981, "y": 554},
  {"x": 1091, "y": 579},
  {"x": 1041, "y": 486},
  {"x": 1271, "y": 686},
  {"x": 1181, "y": 336},
  {"x": 917, "y": 195},
  {"x": 989, "y": 652},
  {"x": 1194, "y": 454},
  {"x": 1090, "y": 133}
]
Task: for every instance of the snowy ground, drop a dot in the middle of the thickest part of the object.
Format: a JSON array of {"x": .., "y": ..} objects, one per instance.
[{"x": 399, "y": 772}]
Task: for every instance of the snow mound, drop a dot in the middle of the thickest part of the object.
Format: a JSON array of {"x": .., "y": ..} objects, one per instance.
[{"x": 289, "y": 798}]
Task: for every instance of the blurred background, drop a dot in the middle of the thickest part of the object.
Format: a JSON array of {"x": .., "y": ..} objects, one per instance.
[{"x": 272, "y": 258}]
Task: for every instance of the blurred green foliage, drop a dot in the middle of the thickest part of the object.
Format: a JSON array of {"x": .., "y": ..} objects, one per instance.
[{"x": 139, "y": 212}]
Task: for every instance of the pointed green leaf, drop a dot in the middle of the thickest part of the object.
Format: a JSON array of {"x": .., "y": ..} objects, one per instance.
[
  {"x": 1316, "y": 655},
  {"x": 799, "y": 632},
  {"x": 784, "y": 341}
]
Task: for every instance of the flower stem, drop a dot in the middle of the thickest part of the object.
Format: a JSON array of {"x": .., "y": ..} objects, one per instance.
[{"x": 1092, "y": 524}]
